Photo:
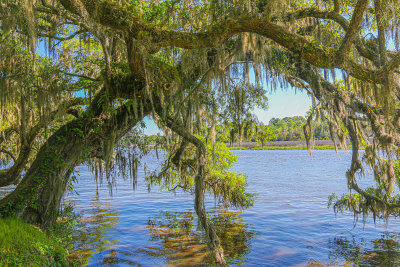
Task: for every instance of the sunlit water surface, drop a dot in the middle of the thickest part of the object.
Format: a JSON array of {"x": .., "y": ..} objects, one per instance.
[{"x": 289, "y": 225}]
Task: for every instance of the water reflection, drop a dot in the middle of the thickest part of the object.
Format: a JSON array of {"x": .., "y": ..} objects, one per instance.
[
  {"x": 95, "y": 231},
  {"x": 353, "y": 251},
  {"x": 384, "y": 251},
  {"x": 182, "y": 244},
  {"x": 292, "y": 224}
]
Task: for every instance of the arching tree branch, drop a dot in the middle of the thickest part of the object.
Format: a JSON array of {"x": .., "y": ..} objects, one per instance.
[
  {"x": 351, "y": 32},
  {"x": 117, "y": 17}
]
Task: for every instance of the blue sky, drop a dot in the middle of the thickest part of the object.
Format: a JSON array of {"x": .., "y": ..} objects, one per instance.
[
  {"x": 282, "y": 103},
  {"x": 285, "y": 103}
]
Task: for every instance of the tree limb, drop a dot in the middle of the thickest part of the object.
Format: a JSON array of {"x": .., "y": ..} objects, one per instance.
[
  {"x": 352, "y": 30},
  {"x": 117, "y": 17}
]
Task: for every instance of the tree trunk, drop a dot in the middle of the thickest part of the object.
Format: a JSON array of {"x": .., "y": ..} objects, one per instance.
[
  {"x": 232, "y": 136},
  {"x": 37, "y": 198},
  {"x": 213, "y": 241},
  {"x": 240, "y": 132},
  {"x": 212, "y": 237}
]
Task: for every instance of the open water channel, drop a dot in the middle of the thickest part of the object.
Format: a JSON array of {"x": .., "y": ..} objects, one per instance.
[{"x": 289, "y": 225}]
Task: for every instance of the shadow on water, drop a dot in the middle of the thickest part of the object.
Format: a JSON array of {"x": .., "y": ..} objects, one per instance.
[
  {"x": 94, "y": 233},
  {"x": 175, "y": 238},
  {"x": 181, "y": 242},
  {"x": 353, "y": 251},
  {"x": 282, "y": 229},
  {"x": 384, "y": 251}
]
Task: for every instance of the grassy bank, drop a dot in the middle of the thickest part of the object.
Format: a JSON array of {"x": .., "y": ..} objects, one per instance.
[{"x": 22, "y": 244}]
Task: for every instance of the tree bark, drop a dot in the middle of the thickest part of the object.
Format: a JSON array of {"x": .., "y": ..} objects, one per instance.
[{"x": 37, "y": 198}]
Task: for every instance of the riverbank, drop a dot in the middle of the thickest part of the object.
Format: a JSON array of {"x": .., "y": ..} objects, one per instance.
[
  {"x": 276, "y": 145},
  {"x": 321, "y": 147},
  {"x": 22, "y": 244},
  {"x": 284, "y": 145}
]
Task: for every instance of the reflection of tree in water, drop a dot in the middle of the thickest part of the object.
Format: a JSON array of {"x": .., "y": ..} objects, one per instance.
[
  {"x": 380, "y": 252},
  {"x": 95, "y": 229},
  {"x": 183, "y": 245}
]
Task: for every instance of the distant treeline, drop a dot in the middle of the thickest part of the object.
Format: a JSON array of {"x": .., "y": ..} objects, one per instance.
[{"x": 286, "y": 129}]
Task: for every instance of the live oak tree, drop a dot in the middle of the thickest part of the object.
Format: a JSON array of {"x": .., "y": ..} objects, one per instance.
[{"x": 170, "y": 59}]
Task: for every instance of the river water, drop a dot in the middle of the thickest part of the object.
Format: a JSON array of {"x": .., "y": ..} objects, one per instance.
[{"x": 289, "y": 224}]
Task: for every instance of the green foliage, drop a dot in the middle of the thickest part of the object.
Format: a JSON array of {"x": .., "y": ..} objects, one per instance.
[
  {"x": 63, "y": 230},
  {"x": 264, "y": 135},
  {"x": 288, "y": 128},
  {"x": 22, "y": 244},
  {"x": 360, "y": 204},
  {"x": 239, "y": 103},
  {"x": 285, "y": 129},
  {"x": 227, "y": 186}
]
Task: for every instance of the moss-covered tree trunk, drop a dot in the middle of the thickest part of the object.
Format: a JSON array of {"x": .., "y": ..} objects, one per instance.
[{"x": 37, "y": 198}]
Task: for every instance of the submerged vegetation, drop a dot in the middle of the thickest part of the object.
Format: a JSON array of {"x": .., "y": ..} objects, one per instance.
[{"x": 76, "y": 76}]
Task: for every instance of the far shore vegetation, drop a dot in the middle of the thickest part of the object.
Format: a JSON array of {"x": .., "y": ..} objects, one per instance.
[
  {"x": 318, "y": 147},
  {"x": 279, "y": 134}
]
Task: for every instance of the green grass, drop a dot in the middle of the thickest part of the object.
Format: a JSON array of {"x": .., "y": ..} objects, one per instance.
[
  {"x": 22, "y": 244},
  {"x": 321, "y": 147}
]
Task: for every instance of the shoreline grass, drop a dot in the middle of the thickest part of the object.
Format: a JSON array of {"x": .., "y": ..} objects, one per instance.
[{"x": 22, "y": 244}]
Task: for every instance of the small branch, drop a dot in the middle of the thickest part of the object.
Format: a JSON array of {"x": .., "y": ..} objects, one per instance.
[
  {"x": 177, "y": 186},
  {"x": 80, "y": 76},
  {"x": 391, "y": 66},
  {"x": 8, "y": 153},
  {"x": 69, "y": 37},
  {"x": 381, "y": 32},
  {"x": 336, "y": 5}
]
